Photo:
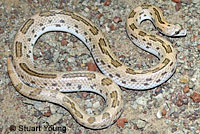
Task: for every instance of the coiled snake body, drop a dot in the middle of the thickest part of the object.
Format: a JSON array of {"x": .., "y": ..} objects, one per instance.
[{"x": 49, "y": 86}]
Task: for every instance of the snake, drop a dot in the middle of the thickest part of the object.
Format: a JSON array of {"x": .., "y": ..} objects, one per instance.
[{"x": 52, "y": 87}]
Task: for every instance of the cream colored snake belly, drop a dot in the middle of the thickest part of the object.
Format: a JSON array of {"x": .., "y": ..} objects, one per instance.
[{"x": 50, "y": 86}]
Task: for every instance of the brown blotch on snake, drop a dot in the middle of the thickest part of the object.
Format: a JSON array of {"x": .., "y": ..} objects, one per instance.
[
  {"x": 18, "y": 87},
  {"x": 26, "y": 26},
  {"x": 145, "y": 6},
  {"x": 132, "y": 26},
  {"x": 77, "y": 113},
  {"x": 166, "y": 61},
  {"x": 116, "y": 63},
  {"x": 153, "y": 39},
  {"x": 35, "y": 92},
  {"x": 91, "y": 120},
  {"x": 132, "y": 14},
  {"x": 106, "y": 115},
  {"x": 158, "y": 16},
  {"x": 18, "y": 48},
  {"x": 31, "y": 72},
  {"x": 168, "y": 49},
  {"x": 106, "y": 81},
  {"x": 114, "y": 103},
  {"x": 47, "y": 13},
  {"x": 114, "y": 95},
  {"x": 141, "y": 33},
  {"x": 130, "y": 71}
]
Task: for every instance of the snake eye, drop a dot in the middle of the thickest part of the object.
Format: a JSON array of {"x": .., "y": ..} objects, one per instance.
[{"x": 177, "y": 32}]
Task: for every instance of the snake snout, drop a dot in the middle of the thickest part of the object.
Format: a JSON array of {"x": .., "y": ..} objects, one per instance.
[{"x": 179, "y": 31}]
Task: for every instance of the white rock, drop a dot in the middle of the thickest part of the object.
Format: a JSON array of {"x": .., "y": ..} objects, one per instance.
[
  {"x": 71, "y": 59},
  {"x": 39, "y": 105},
  {"x": 88, "y": 103},
  {"x": 195, "y": 1},
  {"x": 142, "y": 101},
  {"x": 54, "y": 118},
  {"x": 88, "y": 111},
  {"x": 159, "y": 97},
  {"x": 159, "y": 114},
  {"x": 100, "y": 10},
  {"x": 141, "y": 124},
  {"x": 28, "y": 101},
  {"x": 86, "y": 9},
  {"x": 96, "y": 104},
  {"x": 134, "y": 105},
  {"x": 53, "y": 108}
]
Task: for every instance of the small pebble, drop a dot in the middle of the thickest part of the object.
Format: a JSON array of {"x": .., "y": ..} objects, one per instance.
[
  {"x": 121, "y": 122},
  {"x": 35, "y": 57},
  {"x": 71, "y": 59},
  {"x": 186, "y": 89},
  {"x": 1, "y": 30},
  {"x": 135, "y": 127},
  {"x": 112, "y": 27},
  {"x": 141, "y": 124},
  {"x": 186, "y": 1},
  {"x": 47, "y": 114},
  {"x": 177, "y": 1},
  {"x": 179, "y": 103},
  {"x": 171, "y": 111},
  {"x": 195, "y": 97},
  {"x": 164, "y": 112},
  {"x": 184, "y": 80},
  {"x": 159, "y": 114},
  {"x": 92, "y": 66},
  {"x": 37, "y": 113},
  {"x": 141, "y": 101},
  {"x": 96, "y": 104},
  {"x": 107, "y": 2},
  {"x": 178, "y": 6},
  {"x": 54, "y": 118},
  {"x": 117, "y": 19},
  {"x": 176, "y": 114},
  {"x": 83, "y": 65},
  {"x": 198, "y": 47},
  {"x": 87, "y": 9},
  {"x": 64, "y": 42},
  {"x": 158, "y": 90},
  {"x": 84, "y": 94}
]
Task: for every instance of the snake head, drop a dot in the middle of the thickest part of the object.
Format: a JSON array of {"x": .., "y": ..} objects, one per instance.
[{"x": 176, "y": 31}]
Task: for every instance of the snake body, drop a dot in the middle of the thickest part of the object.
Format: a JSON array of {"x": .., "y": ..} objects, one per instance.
[{"x": 50, "y": 86}]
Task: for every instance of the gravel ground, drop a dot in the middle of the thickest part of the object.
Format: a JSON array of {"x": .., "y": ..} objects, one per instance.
[{"x": 172, "y": 107}]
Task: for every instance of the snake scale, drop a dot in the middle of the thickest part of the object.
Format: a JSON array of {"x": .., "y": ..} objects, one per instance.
[{"x": 51, "y": 86}]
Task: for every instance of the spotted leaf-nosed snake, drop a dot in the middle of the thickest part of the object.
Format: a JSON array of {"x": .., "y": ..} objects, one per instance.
[{"x": 50, "y": 86}]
